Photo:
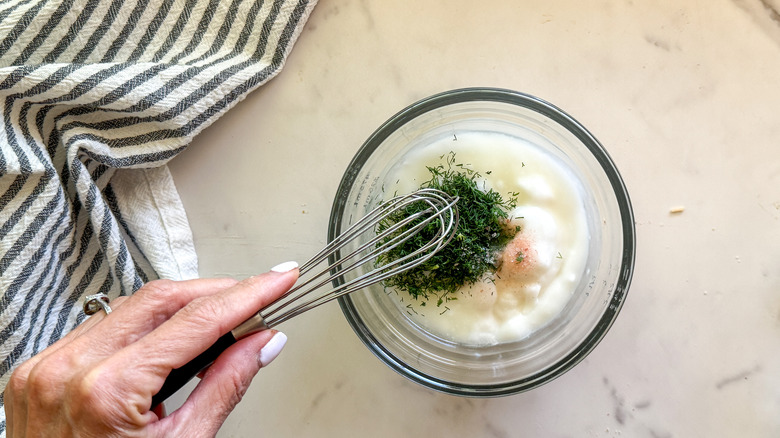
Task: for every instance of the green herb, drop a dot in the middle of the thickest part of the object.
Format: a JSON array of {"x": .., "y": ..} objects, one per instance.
[
  {"x": 520, "y": 257},
  {"x": 482, "y": 231}
]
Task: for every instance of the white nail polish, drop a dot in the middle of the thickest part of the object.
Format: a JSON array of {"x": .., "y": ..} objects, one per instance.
[
  {"x": 272, "y": 349},
  {"x": 285, "y": 267}
]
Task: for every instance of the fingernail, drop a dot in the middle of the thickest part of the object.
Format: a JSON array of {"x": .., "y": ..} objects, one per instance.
[
  {"x": 284, "y": 267},
  {"x": 272, "y": 349}
]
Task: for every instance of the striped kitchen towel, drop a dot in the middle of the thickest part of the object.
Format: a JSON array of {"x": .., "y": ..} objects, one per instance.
[{"x": 95, "y": 97}]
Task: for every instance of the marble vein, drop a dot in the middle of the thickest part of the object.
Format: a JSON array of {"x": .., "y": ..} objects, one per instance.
[{"x": 736, "y": 378}]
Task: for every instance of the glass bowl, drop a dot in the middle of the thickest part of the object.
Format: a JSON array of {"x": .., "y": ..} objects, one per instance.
[{"x": 509, "y": 367}]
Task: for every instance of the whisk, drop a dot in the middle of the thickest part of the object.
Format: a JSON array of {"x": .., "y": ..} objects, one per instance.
[{"x": 361, "y": 245}]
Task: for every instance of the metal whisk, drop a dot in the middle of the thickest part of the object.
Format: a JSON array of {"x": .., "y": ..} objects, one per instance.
[{"x": 361, "y": 245}]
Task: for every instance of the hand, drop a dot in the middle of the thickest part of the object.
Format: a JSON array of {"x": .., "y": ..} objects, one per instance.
[{"x": 99, "y": 379}]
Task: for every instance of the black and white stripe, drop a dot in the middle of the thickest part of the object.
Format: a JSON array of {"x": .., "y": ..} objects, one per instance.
[{"x": 89, "y": 88}]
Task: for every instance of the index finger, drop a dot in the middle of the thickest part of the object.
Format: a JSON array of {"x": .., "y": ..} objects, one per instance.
[
  {"x": 145, "y": 310},
  {"x": 195, "y": 328}
]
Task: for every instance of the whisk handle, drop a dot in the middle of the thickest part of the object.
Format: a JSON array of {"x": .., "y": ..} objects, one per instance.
[{"x": 180, "y": 376}]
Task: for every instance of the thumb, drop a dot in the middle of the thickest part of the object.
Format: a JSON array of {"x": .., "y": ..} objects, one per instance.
[{"x": 225, "y": 383}]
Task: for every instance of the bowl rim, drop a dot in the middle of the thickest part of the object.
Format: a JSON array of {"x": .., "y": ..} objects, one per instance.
[{"x": 626, "y": 219}]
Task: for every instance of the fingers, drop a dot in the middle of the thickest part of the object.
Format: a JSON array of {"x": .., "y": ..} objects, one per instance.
[
  {"x": 78, "y": 331},
  {"x": 113, "y": 364},
  {"x": 15, "y": 401},
  {"x": 196, "y": 327},
  {"x": 14, "y": 395},
  {"x": 101, "y": 335},
  {"x": 225, "y": 383},
  {"x": 149, "y": 307}
]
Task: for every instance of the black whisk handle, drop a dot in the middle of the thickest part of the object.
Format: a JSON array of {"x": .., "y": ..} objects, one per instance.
[{"x": 180, "y": 376}]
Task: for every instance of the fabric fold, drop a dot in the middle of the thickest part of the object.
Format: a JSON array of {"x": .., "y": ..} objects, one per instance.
[{"x": 96, "y": 96}]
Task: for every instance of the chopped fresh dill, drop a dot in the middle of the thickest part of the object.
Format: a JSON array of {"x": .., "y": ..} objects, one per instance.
[{"x": 482, "y": 231}]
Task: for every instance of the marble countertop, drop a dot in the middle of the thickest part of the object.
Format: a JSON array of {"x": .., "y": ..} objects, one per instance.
[{"x": 685, "y": 97}]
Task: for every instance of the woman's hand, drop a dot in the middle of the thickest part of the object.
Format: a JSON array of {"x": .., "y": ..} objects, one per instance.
[{"x": 99, "y": 379}]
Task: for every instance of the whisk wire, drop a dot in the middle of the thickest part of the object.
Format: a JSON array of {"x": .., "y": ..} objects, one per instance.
[
  {"x": 355, "y": 230},
  {"x": 440, "y": 210},
  {"x": 357, "y": 283},
  {"x": 376, "y": 215}
]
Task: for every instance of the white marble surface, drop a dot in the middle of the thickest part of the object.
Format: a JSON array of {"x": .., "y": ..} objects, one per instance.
[{"x": 684, "y": 95}]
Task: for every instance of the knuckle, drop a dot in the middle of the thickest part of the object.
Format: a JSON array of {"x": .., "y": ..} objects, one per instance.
[
  {"x": 159, "y": 299},
  {"x": 18, "y": 380},
  {"x": 234, "y": 387},
  {"x": 118, "y": 301},
  {"x": 95, "y": 399},
  {"x": 208, "y": 306},
  {"x": 83, "y": 392},
  {"x": 86, "y": 393},
  {"x": 157, "y": 290},
  {"x": 46, "y": 383},
  {"x": 202, "y": 310}
]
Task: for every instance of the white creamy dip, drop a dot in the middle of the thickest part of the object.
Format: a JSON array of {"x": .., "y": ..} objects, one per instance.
[{"x": 552, "y": 244}]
